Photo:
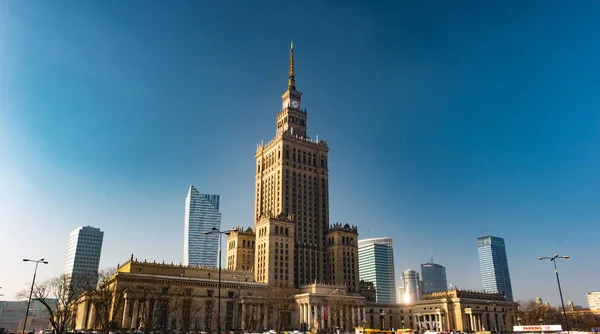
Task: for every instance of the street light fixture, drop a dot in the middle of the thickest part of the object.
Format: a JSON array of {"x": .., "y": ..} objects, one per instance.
[
  {"x": 214, "y": 229},
  {"x": 553, "y": 260},
  {"x": 31, "y": 291}
]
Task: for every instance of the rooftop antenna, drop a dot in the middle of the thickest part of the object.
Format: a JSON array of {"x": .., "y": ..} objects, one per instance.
[{"x": 431, "y": 256}]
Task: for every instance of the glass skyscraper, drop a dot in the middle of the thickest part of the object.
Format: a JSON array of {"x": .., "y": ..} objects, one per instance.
[
  {"x": 201, "y": 214},
  {"x": 493, "y": 264},
  {"x": 434, "y": 277},
  {"x": 376, "y": 264},
  {"x": 83, "y": 252}
]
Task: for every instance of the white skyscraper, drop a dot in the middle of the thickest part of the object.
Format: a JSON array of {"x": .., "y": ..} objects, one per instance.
[
  {"x": 594, "y": 300},
  {"x": 376, "y": 264},
  {"x": 83, "y": 252},
  {"x": 410, "y": 291},
  {"x": 201, "y": 214}
]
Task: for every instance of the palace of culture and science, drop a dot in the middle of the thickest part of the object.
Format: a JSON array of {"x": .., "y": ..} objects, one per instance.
[
  {"x": 292, "y": 250},
  {"x": 295, "y": 245}
]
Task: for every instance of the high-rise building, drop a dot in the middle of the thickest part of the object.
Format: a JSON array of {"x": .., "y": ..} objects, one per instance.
[
  {"x": 594, "y": 300},
  {"x": 291, "y": 212},
  {"x": 341, "y": 262},
  {"x": 410, "y": 291},
  {"x": 433, "y": 277},
  {"x": 376, "y": 264},
  {"x": 201, "y": 214},
  {"x": 493, "y": 265},
  {"x": 83, "y": 252}
]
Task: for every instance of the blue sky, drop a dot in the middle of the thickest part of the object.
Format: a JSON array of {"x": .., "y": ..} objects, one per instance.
[{"x": 446, "y": 121}]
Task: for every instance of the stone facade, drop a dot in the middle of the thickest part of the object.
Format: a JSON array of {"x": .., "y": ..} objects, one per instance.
[
  {"x": 341, "y": 266},
  {"x": 240, "y": 249},
  {"x": 461, "y": 310},
  {"x": 292, "y": 180}
]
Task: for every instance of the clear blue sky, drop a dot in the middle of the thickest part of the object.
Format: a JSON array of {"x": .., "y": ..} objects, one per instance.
[{"x": 446, "y": 121}]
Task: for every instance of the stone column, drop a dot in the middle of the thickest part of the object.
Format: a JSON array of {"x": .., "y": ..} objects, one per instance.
[
  {"x": 84, "y": 318},
  {"x": 265, "y": 317},
  {"x": 125, "y": 314},
  {"x": 309, "y": 316},
  {"x": 302, "y": 313},
  {"x": 243, "y": 316},
  {"x": 92, "y": 324}
]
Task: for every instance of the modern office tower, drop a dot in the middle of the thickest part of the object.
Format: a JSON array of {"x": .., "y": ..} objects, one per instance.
[
  {"x": 433, "y": 277},
  {"x": 83, "y": 253},
  {"x": 292, "y": 198},
  {"x": 411, "y": 287},
  {"x": 376, "y": 264},
  {"x": 594, "y": 300},
  {"x": 240, "y": 249},
  {"x": 201, "y": 214},
  {"x": 493, "y": 265}
]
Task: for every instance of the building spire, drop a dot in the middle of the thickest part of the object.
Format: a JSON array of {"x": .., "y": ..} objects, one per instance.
[{"x": 291, "y": 78}]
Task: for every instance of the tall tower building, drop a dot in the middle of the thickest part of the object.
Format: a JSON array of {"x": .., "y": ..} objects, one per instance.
[
  {"x": 292, "y": 193},
  {"x": 433, "y": 277},
  {"x": 376, "y": 264},
  {"x": 83, "y": 252},
  {"x": 201, "y": 214},
  {"x": 341, "y": 262},
  {"x": 411, "y": 287},
  {"x": 493, "y": 265}
]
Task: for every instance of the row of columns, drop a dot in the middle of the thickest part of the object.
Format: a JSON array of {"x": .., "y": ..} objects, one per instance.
[
  {"x": 315, "y": 316},
  {"x": 477, "y": 322},
  {"x": 435, "y": 321}
]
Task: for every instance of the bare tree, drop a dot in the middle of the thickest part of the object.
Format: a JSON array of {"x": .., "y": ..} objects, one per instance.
[
  {"x": 59, "y": 296},
  {"x": 252, "y": 318},
  {"x": 154, "y": 309},
  {"x": 107, "y": 297},
  {"x": 186, "y": 308},
  {"x": 336, "y": 304},
  {"x": 281, "y": 304}
]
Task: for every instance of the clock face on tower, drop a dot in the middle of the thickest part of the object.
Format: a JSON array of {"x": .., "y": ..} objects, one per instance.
[{"x": 295, "y": 104}]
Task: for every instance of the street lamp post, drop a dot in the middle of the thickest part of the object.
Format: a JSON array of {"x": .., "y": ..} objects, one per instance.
[
  {"x": 216, "y": 230},
  {"x": 553, "y": 259},
  {"x": 31, "y": 291}
]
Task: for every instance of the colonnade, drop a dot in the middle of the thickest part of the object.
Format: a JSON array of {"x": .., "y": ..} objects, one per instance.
[
  {"x": 318, "y": 315},
  {"x": 489, "y": 321},
  {"x": 434, "y": 321}
]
